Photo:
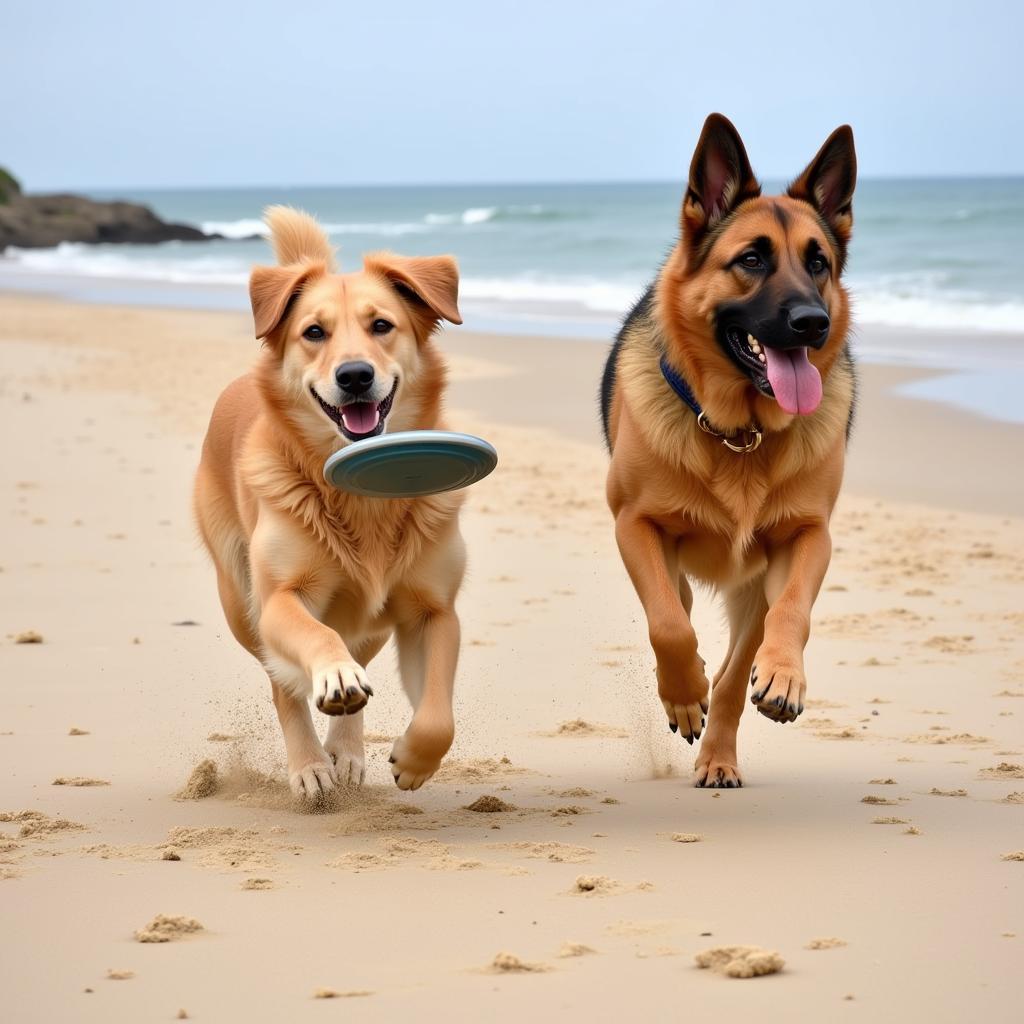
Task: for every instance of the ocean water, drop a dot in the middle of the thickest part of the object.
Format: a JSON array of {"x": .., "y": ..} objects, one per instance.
[{"x": 939, "y": 255}]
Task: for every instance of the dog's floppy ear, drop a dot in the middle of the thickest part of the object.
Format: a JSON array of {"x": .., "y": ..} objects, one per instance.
[
  {"x": 271, "y": 289},
  {"x": 720, "y": 179},
  {"x": 828, "y": 182},
  {"x": 429, "y": 283}
]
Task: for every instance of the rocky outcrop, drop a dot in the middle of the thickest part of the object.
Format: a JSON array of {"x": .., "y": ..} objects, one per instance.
[{"x": 42, "y": 221}]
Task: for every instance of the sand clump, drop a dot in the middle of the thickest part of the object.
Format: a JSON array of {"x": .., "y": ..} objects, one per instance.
[
  {"x": 889, "y": 821},
  {"x": 1003, "y": 770},
  {"x": 598, "y": 885},
  {"x": 257, "y": 884},
  {"x": 686, "y": 837},
  {"x": 1017, "y": 855},
  {"x": 572, "y": 949},
  {"x": 740, "y": 961},
  {"x": 28, "y": 636},
  {"x": 826, "y": 943},
  {"x": 488, "y": 804},
  {"x": 941, "y": 739},
  {"x": 119, "y": 975},
  {"x": 75, "y": 731},
  {"x": 557, "y": 853},
  {"x": 202, "y": 783},
  {"x": 882, "y": 782},
  {"x": 580, "y": 728},
  {"x": 36, "y": 825},
  {"x": 509, "y": 963},
  {"x": 878, "y": 800},
  {"x": 946, "y": 792},
  {"x": 480, "y": 769},
  {"x": 1013, "y": 798},
  {"x": 224, "y": 846},
  {"x": 168, "y": 928},
  {"x": 78, "y": 780},
  {"x": 333, "y": 993}
]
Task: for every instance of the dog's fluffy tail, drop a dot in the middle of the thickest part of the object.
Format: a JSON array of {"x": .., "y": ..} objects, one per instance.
[{"x": 296, "y": 237}]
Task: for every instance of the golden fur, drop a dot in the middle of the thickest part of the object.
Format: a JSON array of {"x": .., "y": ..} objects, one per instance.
[
  {"x": 753, "y": 526},
  {"x": 314, "y": 581}
]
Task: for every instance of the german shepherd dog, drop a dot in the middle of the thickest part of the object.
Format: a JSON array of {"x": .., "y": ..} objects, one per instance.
[
  {"x": 727, "y": 400},
  {"x": 315, "y": 581}
]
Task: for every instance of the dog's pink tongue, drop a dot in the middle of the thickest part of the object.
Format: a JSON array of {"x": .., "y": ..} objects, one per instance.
[
  {"x": 360, "y": 418},
  {"x": 794, "y": 379}
]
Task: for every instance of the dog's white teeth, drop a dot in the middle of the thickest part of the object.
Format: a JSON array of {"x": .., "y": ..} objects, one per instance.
[
  {"x": 753, "y": 344},
  {"x": 761, "y": 356}
]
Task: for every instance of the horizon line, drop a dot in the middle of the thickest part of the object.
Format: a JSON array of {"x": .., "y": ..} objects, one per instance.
[{"x": 533, "y": 183}]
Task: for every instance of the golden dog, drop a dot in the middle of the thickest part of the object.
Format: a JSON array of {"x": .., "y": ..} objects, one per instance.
[
  {"x": 314, "y": 581},
  {"x": 726, "y": 401}
]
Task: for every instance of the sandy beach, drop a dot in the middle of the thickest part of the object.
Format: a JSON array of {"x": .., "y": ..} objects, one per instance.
[{"x": 560, "y": 862}]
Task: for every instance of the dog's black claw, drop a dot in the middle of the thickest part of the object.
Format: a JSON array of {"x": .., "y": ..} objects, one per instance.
[
  {"x": 368, "y": 689},
  {"x": 800, "y": 710},
  {"x": 704, "y": 705},
  {"x": 391, "y": 760},
  {"x": 689, "y": 739},
  {"x": 673, "y": 727}
]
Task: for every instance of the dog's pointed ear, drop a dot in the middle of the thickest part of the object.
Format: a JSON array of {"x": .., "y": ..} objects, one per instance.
[
  {"x": 271, "y": 289},
  {"x": 430, "y": 284},
  {"x": 720, "y": 179},
  {"x": 828, "y": 181}
]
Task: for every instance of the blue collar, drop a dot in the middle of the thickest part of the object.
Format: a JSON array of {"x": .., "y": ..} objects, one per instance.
[
  {"x": 680, "y": 387},
  {"x": 752, "y": 435}
]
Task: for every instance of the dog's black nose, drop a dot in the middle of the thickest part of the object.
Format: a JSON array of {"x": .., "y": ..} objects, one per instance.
[
  {"x": 809, "y": 325},
  {"x": 355, "y": 378}
]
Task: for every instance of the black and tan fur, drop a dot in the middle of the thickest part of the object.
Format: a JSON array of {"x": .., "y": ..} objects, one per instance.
[{"x": 753, "y": 526}]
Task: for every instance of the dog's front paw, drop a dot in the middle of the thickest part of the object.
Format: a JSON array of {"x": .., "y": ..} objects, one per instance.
[
  {"x": 778, "y": 684},
  {"x": 312, "y": 779},
  {"x": 417, "y": 755},
  {"x": 341, "y": 688},
  {"x": 685, "y": 699}
]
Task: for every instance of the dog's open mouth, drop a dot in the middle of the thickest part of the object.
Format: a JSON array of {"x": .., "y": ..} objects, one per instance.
[
  {"x": 359, "y": 419},
  {"x": 787, "y": 375}
]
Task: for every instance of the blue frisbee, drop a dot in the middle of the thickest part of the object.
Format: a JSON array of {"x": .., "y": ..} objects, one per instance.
[{"x": 410, "y": 464}]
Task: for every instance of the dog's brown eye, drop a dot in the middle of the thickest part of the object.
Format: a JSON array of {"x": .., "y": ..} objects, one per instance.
[
  {"x": 314, "y": 333},
  {"x": 751, "y": 260},
  {"x": 818, "y": 265},
  {"x": 382, "y": 326}
]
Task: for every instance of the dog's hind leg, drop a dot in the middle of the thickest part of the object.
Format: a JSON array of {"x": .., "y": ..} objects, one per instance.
[
  {"x": 717, "y": 764},
  {"x": 344, "y": 742},
  {"x": 428, "y": 651}
]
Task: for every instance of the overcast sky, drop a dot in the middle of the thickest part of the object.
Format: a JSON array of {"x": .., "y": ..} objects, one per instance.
[{"x": 103, "y": 94}]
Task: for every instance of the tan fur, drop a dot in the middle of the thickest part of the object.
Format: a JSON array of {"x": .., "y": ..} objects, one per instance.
[
  {"x": 314, "y": 581},
  {"x": 753, "y": 526}
]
